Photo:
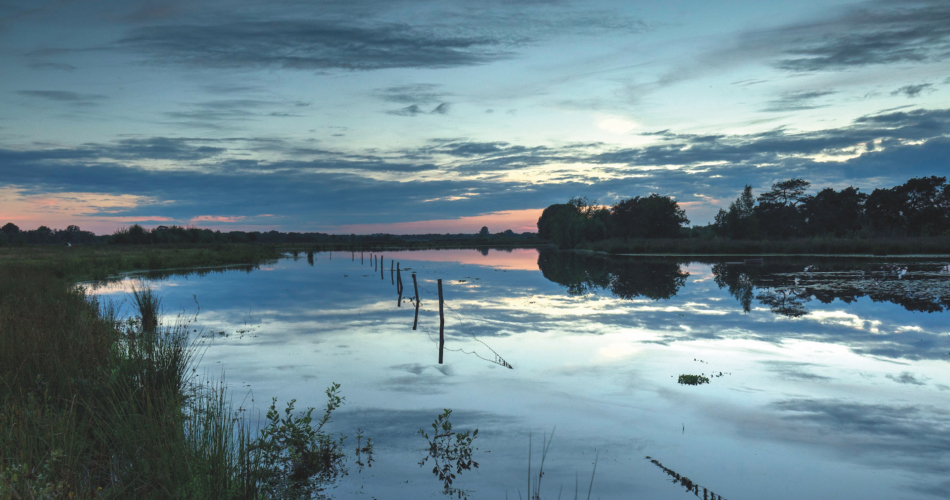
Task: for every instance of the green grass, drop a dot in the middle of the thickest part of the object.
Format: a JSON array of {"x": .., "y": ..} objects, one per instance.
[
  {"x": 98, "y": 262},
  {"x": 94, "y": 407},
  {"x": 814, "y": 246}
]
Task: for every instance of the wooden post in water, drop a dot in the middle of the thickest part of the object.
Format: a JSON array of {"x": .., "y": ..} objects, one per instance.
[
  {"x": 441, "y": 324},
  {"x": 392, "y": 273},
  {"x": 382, "y": 262},
  {"x": 416, "y": 287},
  {"x": 398, "y": 279},
  {"x": 398, "y": 285}
]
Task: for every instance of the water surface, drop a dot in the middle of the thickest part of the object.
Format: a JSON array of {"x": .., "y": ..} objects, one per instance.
[{"x": 827, "y": 376}]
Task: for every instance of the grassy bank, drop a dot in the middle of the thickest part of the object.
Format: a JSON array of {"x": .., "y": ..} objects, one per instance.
[
  {"x": 95, "y": 407},
  {"x": 822, "y": 246},
  {"x": 99, "y": 261}
]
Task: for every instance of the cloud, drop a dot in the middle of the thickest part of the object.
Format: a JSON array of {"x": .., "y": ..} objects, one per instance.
[
  {"x": 414, "y": 110},
  {"x": 65, "y": 97},
  {"x": 157, "y": 148},
  {"x": 217, "y": 218},
  {"x": 905, "y": 378},
  {"x": 226, "y": 176},
  {"x": 52, "y": 65},
  {"x": 913, "y": 90},
  {"x": 799, "y": 100},
  {"x": 219, "y": 113},
  {"x": 871, "y": 33},
  {"x": 793, "y": 370},
  {"x": 311, "y": 44},
  {"x": 419, "y": 93},
  {"x": 871, "y": 433},
  {"x": 411, "y": 110}
]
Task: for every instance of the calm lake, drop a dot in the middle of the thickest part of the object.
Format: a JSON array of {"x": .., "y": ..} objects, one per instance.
[{"x": 827, "y": 377}]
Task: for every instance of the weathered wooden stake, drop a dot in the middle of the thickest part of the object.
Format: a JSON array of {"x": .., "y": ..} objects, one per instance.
[
  {"x": 382, "y": 262},
  {"x": 392, "y": 273},
  {"x": 441, "y": 324},
  {"x": 398, "y": 285},
  {"x": 416, "y": 287},
  {"x": 398, "y": 279}
]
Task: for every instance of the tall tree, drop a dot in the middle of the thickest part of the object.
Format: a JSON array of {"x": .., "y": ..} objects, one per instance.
[
  {"x": 740, "y": 222},
  {"x": 787, "y": 193},
  {"x": 778, "y": 210}
]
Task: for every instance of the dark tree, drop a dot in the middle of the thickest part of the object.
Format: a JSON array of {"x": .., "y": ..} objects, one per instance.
[
  {"x": 571, "y": 223},
  {"x": 925, "y": 207},
  {"x": 885, "y": 211},
  {"x": 484, "y": 232},
  {"x": 10, "y": 229},
  {"x": 625, "y": 218},
  {"x": 778, "y": 211},
  {"x": 653, "y": 216},
  {"x": 833, "y": 212},
  {"x": 740, "y": 221},
  {"x": 788, "y": 193}
]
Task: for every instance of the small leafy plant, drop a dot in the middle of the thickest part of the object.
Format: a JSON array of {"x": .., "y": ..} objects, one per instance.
[
  {"x": 297, "y": 458},
  {"x": 445, "y": 447}
]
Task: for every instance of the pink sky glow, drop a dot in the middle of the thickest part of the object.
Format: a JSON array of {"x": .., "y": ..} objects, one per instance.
[
  {"x": 519, "y": 221},
  {"x": 519, "y": 259}
]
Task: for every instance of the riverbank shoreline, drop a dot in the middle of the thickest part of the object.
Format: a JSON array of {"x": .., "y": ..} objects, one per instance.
[{"x": 839, "y": 247}]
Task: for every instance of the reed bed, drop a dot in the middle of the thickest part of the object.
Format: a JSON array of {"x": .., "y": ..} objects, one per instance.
[{"x": 92, "y": 406}]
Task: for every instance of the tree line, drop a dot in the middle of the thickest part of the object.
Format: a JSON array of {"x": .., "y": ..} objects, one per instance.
[
  {"x": 582, "y": 219},
  {"x": 11, "y": 234},
  {"x": 919, "y": 207}
]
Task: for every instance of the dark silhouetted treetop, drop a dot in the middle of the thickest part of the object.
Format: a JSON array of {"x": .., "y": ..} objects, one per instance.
[
  {"x": 788, "y": 193},
  {"x": 10, "y": 229}
]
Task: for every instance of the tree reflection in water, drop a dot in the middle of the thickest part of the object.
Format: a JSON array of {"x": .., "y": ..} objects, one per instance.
[
  {"x": 784, "y": 284},
  {"x": 657, "y": 279}
]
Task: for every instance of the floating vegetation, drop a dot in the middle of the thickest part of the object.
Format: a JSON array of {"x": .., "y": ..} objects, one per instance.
[
  {"x": 693, "y": 380},
  {"x": 685, "y": 481}
]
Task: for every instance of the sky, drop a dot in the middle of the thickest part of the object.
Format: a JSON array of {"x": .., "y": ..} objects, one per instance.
[{"x": 407, "y": 116}]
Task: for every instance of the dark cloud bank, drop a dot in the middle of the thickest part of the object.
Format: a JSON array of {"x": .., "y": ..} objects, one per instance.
[{"x": 320, "y": 187}]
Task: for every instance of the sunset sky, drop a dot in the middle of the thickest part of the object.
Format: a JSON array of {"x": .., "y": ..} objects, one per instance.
[{"x": 412, "y": 116}]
